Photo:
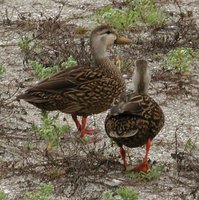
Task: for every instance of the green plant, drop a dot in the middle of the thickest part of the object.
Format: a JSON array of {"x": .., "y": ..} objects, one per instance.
[
  {"x": 154, "y": 173},
  {"x": 2, "y": 69},
  {"x": 49, "y": 131},
  {"x": 179, "y": 60},
  {"x": 29, "y": 146},
  {"x": 43, "y": 72},
  {"x": 149, "y": 13},
  {"x": 25, "y": 43},
  {"x": 70, "y": 62},
  {"x": 189, "y": 146},
  {"x": 3, "y": 195},
  {"x": 107, "y": 195},
  {"x": 138, "y": 11},
  {"x": 122, "y": 193},
  {"x": 197, "y": 52},
  {"x": 43, "y": 192},
  {"x": 116, "y": 17},
  {"x": 127, "y": 193},
  {"x": 85, "y": 139}
]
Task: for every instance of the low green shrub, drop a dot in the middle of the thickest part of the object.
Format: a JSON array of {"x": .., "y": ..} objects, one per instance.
[
  {"x": 49, "y": 131},
  {"x": 138, "y": 11}
]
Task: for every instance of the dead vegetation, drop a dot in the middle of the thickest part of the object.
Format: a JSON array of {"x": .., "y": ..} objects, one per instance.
[{"x": 72, "y": 167}]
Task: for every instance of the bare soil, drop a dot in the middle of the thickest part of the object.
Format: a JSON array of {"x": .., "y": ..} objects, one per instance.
[{"x": 84, "y": 171}]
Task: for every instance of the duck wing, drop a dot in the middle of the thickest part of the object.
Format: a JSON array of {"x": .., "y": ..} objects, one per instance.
[
  {"x": 68, "y": 90},
  {"x": 126, "y": 119}
]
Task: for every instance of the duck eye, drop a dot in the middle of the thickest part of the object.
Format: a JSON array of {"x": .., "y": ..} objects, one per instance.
[{"x": 108, "y": 32}]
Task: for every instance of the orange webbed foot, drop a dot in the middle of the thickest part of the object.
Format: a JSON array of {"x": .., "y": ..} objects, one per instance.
[
  {"x": 94, "y": 140},
  {"x": 85, "y": 132},
  {"x": 88, "y": 132},
  {"x": 142, "y": 167}
]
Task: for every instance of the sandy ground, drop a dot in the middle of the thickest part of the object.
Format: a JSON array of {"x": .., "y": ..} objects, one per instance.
[{"x": 181, "y": 113}]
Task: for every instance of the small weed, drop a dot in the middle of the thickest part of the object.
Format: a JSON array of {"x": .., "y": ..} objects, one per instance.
[
  {"x": 25, "y": 44},
  {"x": 107, "y": 195},
  {"x": 196, "y": 53},
  {"x": 121, "y": 19},
  {"x": 85, "y": 139},
  {"x": 2, "y": 69},
  {"x": 139, "y": 11},
  {"x": 153, "y": 174},
  {"x": 189, "y": 146},
  {"x": 43, "y": 72},
  {"x": 179, "y": 60},
  {"x": 49, "y": 131},
  {"x": 122, "y": 193},
  {"x": 42, "y": 193},
  {"x": 127, "y": 193},
  {"x": 70, "y": 62},
  {"x": 3, "y": 195},
  {"x": 149, "y": 13},
  {"x": 29, "y": 146}
]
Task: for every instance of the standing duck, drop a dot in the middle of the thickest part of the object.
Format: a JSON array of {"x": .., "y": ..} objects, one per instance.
[
  {"x": 83, "y": 90},
  {"x": 137, "y": 119}
]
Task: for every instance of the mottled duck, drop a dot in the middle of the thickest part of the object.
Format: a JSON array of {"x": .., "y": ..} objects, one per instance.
[
  {"x": 137, "y": 119},
  {"x": 83, "y": 90}
]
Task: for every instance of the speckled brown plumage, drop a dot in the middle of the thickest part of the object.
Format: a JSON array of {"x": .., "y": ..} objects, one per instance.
[
  {"x": 132, "y": 128},
  {"x": 82, "y": 90},
  {"x": 137, "y": 118}
]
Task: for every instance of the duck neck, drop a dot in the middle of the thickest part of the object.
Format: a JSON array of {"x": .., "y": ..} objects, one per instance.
[
  {"x": 141, "y": 84},
  {"x": 100, "y": 57},
  {"x": 104, "y": 62},
  {"x": 141, "y": 88}
]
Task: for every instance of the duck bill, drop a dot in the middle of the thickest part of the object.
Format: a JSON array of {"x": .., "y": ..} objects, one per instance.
[{"x": 123, "y": 40}]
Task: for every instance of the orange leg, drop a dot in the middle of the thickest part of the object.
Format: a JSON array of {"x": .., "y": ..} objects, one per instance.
[
  {"x": 123, "y": 155},
  {"x": 83, "y": 130},
  {"x": 78, "y": 125},
  {"x": 144, "y": 166}
]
